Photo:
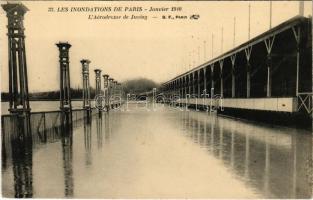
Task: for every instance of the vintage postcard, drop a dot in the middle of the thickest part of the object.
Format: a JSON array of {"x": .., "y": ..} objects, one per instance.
[{"x": 156, "y": 99}]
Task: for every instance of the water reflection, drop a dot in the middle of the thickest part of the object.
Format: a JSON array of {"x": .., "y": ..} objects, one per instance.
[
  {"x": 22, "y": 135},
  {"x": 67, "y": 152},
  {"x": 22, "y": 162},
  {"x": 3, "y": 149},
  {"x": 99, "y": 131},
  {"x": 87, "y": 139},
  {"x": 107, "y": 128},
  {"x": 164, "y": 153},
  {"x": 274, "y": 160}
]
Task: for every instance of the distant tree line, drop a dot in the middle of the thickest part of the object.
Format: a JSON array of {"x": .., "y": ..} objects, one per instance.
[
  {"x": 139, "y": 85},
  {"x": 134, "y": 86},
  {"x": 76, "y": 93}
]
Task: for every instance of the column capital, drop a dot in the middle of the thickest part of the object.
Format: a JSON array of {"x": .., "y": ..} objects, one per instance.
[
  {"x": 63, "y": 46},
  {"x": 98, "y": 71},
  {"x": 85, "y": 61},
  {"x": 15, "y": 8}
]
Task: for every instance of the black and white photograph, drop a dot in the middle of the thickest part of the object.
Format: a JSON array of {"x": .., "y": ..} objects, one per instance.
[{"x": 156, "y": 99}]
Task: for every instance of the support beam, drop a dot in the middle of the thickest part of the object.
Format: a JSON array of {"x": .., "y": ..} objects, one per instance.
[
  {"x": 248, "y": 80},
  {"x": 248, "y": 56},
  {"x": 114, "y": 88},
  {"x": 193, "y": 83},
  {"x": 172, "y": 91},
  {"x": 199, "y": 85},
  {"x": 177, "y": 87},
  {"x": 189, "y": 84},
  {"x": 269, "y": 77},
  {"x": 204, "y": 80},
  {"x": 212, "y": 77},
  {"x": 110, "y": 86},
  {"x": 233, "y": 76},
  {"x": 180, "y": 87},
  {"x": 269, "y": 45},
  {"x": 185, "y": 86},
  {"x": 221, "y": 62},
  {"x": 296, "y": 32}
]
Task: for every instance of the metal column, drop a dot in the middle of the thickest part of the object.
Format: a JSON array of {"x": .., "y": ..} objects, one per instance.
[
  {"x": 189, "y": 83},
  {"x": 193, "y": 83},
  {"x": 86, "y": 85},
  {"x": 106, "y": 90},
  {"x": 297, "y": 35},
  {"x": 18, "y": 81},
  {"x": 110, "y": 86},
  {"x": 199, "y": 85},
  {"x": 248, "y": 56},
  {"x": 269, "y": 44},
  {"x": 204, "y": 81},
  {"x": 221, "y": 62},
  {"x": 233, "y": 76},
  {"x": 98, "y": 88},
  {"x": 212, "y": 77},
  {"x": 65, "y": 95}
]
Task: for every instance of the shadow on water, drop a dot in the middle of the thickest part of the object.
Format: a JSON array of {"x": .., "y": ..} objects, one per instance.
[
  {"x": 21, "y": 144},
  {"x": 102, "y": 135},
  {"x": 276, "y": 161},
  {"x": 67, "y": 152},
  {"x": 21, "y": 135},
  {"x": 99, "y": 132},
  {"x": 87, "y": 139}
]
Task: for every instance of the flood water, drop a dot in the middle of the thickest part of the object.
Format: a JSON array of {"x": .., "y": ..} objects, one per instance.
[
  {"x": 162, "y": 153},
  {"x": 39, "y": 106}
]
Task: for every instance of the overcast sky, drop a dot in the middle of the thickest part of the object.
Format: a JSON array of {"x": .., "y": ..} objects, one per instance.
[{"x": 156, "y": 49}]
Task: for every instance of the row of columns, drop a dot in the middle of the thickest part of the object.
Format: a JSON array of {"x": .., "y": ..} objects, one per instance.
[
  {"x": 185, "y": 85},
  {"x": 110, "y": 88},
  {"x": 18, "y": 82},
  {"x": 110, "y": 85}
]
